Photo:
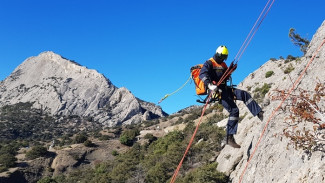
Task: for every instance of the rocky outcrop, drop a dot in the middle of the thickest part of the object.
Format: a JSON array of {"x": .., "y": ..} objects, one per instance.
[
  {"x": 78, "y": 156},
  {"x": 63, "y": 87},
  {"x": 276, "y": 160}
]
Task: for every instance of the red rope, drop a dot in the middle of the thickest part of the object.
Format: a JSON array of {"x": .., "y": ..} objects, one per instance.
[
  {"x": 252, "y": 30},
  {"x": 227, "y": 73},
  {"x": 256, "y": 28},
  {"x": 273, "y": 113},
  {"x": 250, "y": 36},
  {"x": 191, "y": 141}
]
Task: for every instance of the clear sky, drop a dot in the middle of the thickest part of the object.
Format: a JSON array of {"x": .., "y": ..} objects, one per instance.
[{"x": 149, "y": 46}]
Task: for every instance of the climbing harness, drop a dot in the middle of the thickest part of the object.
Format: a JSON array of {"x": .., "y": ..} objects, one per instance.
[
  {"x": 216, "y": 96},
  {"x": 228, "y": 72}
]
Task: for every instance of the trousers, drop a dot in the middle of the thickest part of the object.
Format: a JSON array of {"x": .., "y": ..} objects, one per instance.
[{"x": 227, "y": 101}]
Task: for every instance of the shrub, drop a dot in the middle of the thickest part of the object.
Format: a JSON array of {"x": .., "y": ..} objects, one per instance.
[
  {"x": 264, "y": 89},
  {"x": 128, "y": 136},
  {"x": 150, "y": 123},
  {"x": 7, "y": 160},
  {"x": 150, "y": 137},
  {"x": 89, "y": 143},
  {"x": 47, "y": 180},
  {"x": 104, "y": 137},
  {"x": 303, "y": 126},
  {"x": 290, "y": 58},
  {"x": 3, "y": 169},
  {"x": 269, "y": 74},
  {"x": 259, "y": 93},
  {"x": 157, "y": 174},
  {"x": 37, "y": 151},
  {"x": 115, "y": 153},
  {"x": 97, "y": 134},
  {"x": 80, "y": 138},
  {"x": 125, "y": 165},
  {"x": 289, "y": 69},
  {"x": 8, "y": 149},
  {"x": 206, "y": 173}
]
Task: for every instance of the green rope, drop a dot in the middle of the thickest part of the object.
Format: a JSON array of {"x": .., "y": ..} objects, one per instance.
[{"x": 167, "y": 95}]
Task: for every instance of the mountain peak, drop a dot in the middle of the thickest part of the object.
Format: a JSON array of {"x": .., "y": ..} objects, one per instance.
[
  {"x": 50, "y": 55},
  {"x": 64, "y": 87}
]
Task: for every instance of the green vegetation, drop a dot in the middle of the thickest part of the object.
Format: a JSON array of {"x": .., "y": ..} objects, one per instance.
[
  {"x": 269, "y": 74},
  {"x": 22, "y": 122},
  {"x": 151, "y": 138},
  {"x": 89, "y": 143},
  {"x": 37, "y": 151},
  {"x": 150, "y": 122},
  {"x": 206, "y": 174},
  {"x": 156, "y": 161},
  {"x": 104, "y": 137},
  {"x": 47, "y": 180},
  {"x": 115, "y": 153},
  {"x": 259, "y": 93},
  {"x": 289, "y": 69},
  {"x": 263, "y": 90},
  {"x": 128, "y": 136},
  {"x": 81, "y": 138},
  {"x": 7, "y": 161},
  {"x": 290, "y": 58},
  {"x": 297, "y": 40},
  {"x": 8, "y": 151}
]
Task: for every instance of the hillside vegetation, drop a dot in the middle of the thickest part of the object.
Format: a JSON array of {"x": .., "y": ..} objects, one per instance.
[{"x": 148, "y": 159}]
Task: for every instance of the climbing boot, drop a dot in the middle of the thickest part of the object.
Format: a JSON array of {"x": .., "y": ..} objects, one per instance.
[
  {"x": 231, "y": 141},
  {"x": 260, "y": 115}
]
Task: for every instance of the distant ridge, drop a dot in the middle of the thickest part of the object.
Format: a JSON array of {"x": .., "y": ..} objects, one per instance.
[{"x": 63, "y": 87}]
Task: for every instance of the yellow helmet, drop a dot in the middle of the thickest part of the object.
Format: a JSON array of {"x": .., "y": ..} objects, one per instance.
[{"x": 222, "y": 52}]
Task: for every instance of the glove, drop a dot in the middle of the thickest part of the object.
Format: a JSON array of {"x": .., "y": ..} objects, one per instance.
[{"x": 212, "y": 87}]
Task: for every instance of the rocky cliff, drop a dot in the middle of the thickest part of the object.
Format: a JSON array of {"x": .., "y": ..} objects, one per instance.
[
  {"x": 279, "y": 158},
  {"x": 63, "y": 87}
]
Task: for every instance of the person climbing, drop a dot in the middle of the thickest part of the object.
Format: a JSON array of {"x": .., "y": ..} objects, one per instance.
[{"x": 211, "y": 72}]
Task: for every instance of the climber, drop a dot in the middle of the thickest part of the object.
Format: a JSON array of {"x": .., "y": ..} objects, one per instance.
[{"x": 210, "y": 74}]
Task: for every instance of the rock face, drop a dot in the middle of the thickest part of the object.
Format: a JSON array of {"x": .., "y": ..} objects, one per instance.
[
  {"x": 63, "y": 87},
  {"x": 276, "y": 160}
]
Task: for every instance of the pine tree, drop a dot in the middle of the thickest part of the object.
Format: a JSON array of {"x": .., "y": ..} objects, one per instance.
[{"x": 297, "y": 40}]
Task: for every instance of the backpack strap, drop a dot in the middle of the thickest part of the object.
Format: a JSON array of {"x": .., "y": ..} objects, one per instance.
[{"x": 216, "y": 65}]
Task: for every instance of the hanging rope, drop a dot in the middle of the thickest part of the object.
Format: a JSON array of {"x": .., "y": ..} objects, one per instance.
[
  {"x": 247, "y": 41},
  {"x": 167, "y": 95},
  {"x": 191, "y": 141},
  {"x": 226, "y": 74},
  {"x": 254, "y": 29},
  {"x": 279, "y": 106}
]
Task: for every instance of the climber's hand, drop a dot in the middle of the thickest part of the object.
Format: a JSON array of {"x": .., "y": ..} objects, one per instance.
[{"x": 212, "y": 87}]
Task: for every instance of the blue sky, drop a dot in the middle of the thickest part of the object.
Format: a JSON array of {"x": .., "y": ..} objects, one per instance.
[{"x": 148, "y": 46}]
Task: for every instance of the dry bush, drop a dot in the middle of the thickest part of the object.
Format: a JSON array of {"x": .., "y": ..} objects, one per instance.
[{"x": 305, "y": 125}]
